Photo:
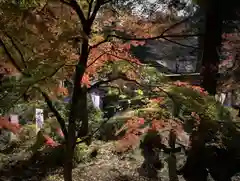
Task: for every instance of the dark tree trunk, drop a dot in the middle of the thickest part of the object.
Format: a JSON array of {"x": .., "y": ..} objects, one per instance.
[
  {"x": 200, "y": 53},
  {"x": 212, "y": 44},
  {"x": 78, "y": 113}
]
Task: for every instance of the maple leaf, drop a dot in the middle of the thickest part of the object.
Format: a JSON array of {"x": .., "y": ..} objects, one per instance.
[
  {"x": 50, "y": 142},
  {"x": 141, "y": 120},
  {"x": 157, "y": 100},
  {"x": 86, "y": 80}
]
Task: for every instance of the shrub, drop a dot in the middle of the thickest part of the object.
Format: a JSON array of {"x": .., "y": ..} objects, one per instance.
[
  {"x": 80, "y": 153},
  {"x": 28, "y": 132},
  {"x": 183, "y": 106}
]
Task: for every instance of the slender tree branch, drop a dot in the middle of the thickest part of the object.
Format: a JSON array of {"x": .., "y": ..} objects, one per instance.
[
  {"x": 84, "y": 139},
  {"x": 98, "y": 5},
  {"x": 152, "y": 38},
  {"x": 3, "y": 95},
  {"x": 18, "y": 99},
  {"x": 129, "y": 61},
  {"x": 17, "y": 48},
  {"x": 29, "y": 81},
  {"x": 124, "y": 58},
  {"x": 11, "y": 58},
  {"x": 187, "y": 46},
  {"x": 75, "y": 6},
  {"x": 122, "y": 77},
  {"x": 176, "y": 24},
  {"x": 172, "y": 97},
  {"x": 90, "y": 3},
  {"x": 54, "y": 110},
  {"x": 143, "y": 39},
  {"x": 96, "y": 59},
  {"x": 113, "y": 87}
]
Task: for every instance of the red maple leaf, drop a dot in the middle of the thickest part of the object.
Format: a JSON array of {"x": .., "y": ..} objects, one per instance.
[
  {"x": 157, "y": 100},
  {"x": 141, "y": 120},
  {"x": 86, "y": 80},
  {"x": 49, "y": 141}
]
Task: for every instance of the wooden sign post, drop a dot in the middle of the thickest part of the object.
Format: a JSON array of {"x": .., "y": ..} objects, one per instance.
[
  {"x": 39, "y": 120},
  {"x": 13, "y": 119}
]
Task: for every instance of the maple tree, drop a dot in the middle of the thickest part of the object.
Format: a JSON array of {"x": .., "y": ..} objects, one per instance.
[
  {"x": 32, "y": 61},
  {"x": 192, "y": 114}
]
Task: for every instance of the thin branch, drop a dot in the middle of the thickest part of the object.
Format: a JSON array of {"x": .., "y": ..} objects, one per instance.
[
  {"x": 18, "y": 99},
  {"x": 144, "y": 39},
  {"x": 84, "y": 139},
  {"x": 152, "y": 38},
  {"x": 17, "y": 48},
  {"x": 132, "y": 63},
  {"x": 29, "y": 81},
  {"x": 3, "y": 95},
  {"x": 187, "y": 46},
  {"x": 54, "y": 110},
  {"x": 75, "y": 6},
  {"x": 122, "y": 77},
  {"x": 96, "y": 59},
  {"x": 90, "y": 3},
  {"x": 99, "y": 4},
  {"x": 124, "y": 58},
  {"x": 11, "y": 58},
  {"x": 176, "y": 24},
  {"x": 24, "y": 45}
]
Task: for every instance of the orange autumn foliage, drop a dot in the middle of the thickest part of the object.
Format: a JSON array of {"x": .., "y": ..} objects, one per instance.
[
  {"x": 187, "y": 85},
  {"x": 115, "y": 49},
  {"x": 135, "y": 129},
  {"x": 50, "y": 142},
  {"x": 62, "y": 91}
]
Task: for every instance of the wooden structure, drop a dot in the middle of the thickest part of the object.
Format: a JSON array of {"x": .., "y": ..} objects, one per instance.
[{"x": 192, "y": 78}]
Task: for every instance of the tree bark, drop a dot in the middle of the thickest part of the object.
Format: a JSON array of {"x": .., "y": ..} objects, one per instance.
[
  {"x": 200, "y": 53},
  {"x": 212, "y": 44},
  {"x": 78, "y": 112}
]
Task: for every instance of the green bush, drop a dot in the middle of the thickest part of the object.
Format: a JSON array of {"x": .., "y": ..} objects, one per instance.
[
  {"x": 28, "y": 132},
  {"x": 80, "y": 153}
]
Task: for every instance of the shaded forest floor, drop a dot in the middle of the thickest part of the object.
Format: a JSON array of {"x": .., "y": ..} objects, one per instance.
[
  {"x": 106, "y": 166},
  {"x": 46, "y": 165}
]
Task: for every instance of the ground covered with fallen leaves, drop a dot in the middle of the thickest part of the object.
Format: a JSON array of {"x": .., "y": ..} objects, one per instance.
[{"x": 21, "y": 164}]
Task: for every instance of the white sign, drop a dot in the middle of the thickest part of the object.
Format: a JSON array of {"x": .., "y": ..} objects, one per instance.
[
  {"x": 13, "y": 119},
  {"x": 96, "y": 100},
  {"x": 220, "y": 97},
  {"x": 228, "y": 100},
  {"x": 39, "y": 119}
]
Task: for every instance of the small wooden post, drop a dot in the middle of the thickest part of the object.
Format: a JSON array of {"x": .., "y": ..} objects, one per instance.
[{"x": 39, "y": 120}]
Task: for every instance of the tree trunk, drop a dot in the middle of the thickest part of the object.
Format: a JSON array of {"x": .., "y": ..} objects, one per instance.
[
  {"x": 200, "y": 53},
  {"x": 78, "y": 112},
  {"x": 212, "y": 44},
  {"x": 83, "y": 127}
]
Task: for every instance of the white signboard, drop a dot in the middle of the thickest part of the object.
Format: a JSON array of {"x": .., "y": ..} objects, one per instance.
[
  {"x": 39, "y": 119},
  {"x": 228, "y": 100},
  {"x": 220, "y": 97},
  {"x": 13, "y": 119},
  {"x": 96, "y": 100}
]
